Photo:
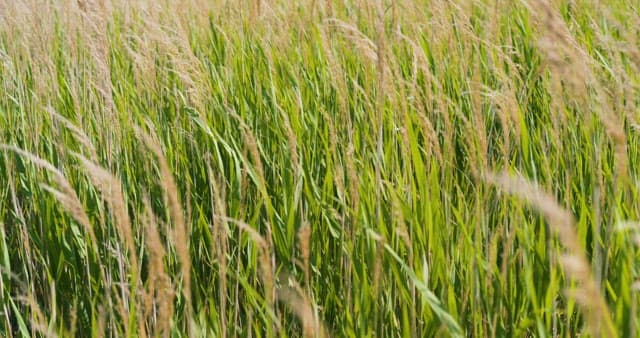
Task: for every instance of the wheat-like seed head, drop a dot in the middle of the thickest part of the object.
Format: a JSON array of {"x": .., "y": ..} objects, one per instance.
[
  {"x": 292, "y": 294},
  {"x": 180, "y": 232}
]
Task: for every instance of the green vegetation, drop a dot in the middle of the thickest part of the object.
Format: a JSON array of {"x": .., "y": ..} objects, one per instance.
[{"x": 312, "y": 168}]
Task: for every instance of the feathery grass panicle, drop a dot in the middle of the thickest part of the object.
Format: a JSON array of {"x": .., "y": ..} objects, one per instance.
[
  {"x": 252, "y": 146},
  {"x": 180, "y": 233},
  {"x": 264, "y": 261},
  {"x": 110, "y": 188},
  {"x": 66, "y": 196},
  {"x": 294, "y": 297},
  {"x": 221, "y": 243},
  {"x": 574, "y": 261},
  {"x": 159, "y": 298},
  {"x": 78, "y": 133},
  {"x": 304, "y": 245}
]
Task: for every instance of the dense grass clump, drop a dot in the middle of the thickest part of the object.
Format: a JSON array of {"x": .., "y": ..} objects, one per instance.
[{"x": 319, "y": 168}]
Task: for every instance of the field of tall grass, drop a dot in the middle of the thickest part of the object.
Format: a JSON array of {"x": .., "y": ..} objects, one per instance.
[{"x": 319, "y": 168}]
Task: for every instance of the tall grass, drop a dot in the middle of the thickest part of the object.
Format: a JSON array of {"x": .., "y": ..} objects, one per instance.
[{"x": 319, "y": 168}]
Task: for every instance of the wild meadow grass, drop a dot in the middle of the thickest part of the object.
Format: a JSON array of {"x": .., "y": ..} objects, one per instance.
[{"x": 311, "y": 168}]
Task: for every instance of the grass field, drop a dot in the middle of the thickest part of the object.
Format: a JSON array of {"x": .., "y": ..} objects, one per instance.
[{"x": 319, "y": 168}]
